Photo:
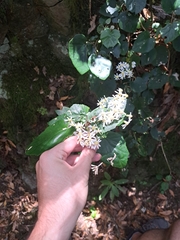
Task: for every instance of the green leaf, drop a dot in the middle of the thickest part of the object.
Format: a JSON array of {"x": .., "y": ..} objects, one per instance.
[
  {"x": 157, "y": 79},
  {"x": 170, "y": 5},
  {"x": 155, "y": 133},
  {"x": 109, "y": 37},
  {"x": 138, "y": 85},
  {"x": 115, "y": 191},
  {"x": 103, "y": 193},
  {"x": 176, "y": 44},
  {"x": 54, "y": 120},
  {"x": 121, "y": 181},
  {"x": 168, "y": 178},
  {"x": 135, "y": 5},
  {"x": 106, "y": 182},
  {"x": 99, "y": 66},
  {"x": 171, "y": 31},
  {"x": 78, "y": 53},
  {"x": 62, "y": 111},
  {"x": 128, "y": 22},
  {"x": 148, "y": 58},
  {"x": 50, "y": 137},
  {"x": 102, "y": 88},
  {"x": 111, "y": 195},
  {"x": 162, "y": 55},
  {"x": 174, "y": 82},
  {"x": 114, "y": 146},
  {"x": 143, "y": 43},
  {"x": 140, "y": 127},
  {"x": 79, "y": 109},
  {"x": 107, "y": 176},
  {"x": 148, "y": 96}
]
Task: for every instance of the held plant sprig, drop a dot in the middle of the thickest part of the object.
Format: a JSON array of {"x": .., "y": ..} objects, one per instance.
[{"x": 92, "y": 128}]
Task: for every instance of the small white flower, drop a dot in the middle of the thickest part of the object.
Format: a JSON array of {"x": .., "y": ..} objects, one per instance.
[
  {"x": 133, "y": 64},
  {"x": 111, "y": 10},
  {"x": 176, "y": 75}
]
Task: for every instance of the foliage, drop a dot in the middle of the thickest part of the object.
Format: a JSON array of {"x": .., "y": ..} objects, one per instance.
[
  {"x": 93, "y": 129},
  {"x": 113, "y": 187},
  {"x": 164, "y": 182},
  {"x": 133, "y": 51}
]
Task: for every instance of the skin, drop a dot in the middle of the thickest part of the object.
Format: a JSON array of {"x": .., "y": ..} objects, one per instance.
[{"x": 62, "y": 182}]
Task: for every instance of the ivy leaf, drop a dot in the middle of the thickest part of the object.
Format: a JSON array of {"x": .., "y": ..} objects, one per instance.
[
  {"x": 135, "y": 5},
  {"x": 78, "y": 53},
  {"x": 148, "y": 58},
  {"x": 170, "y": 5},
  {"x": 114, "y": 145},
  {"x": 157, "y": 79},
  {"x": 171, "y": 31},
  {"x": 109, "y": 37},
  {"x": 161, "y": 55},
  {"x": 128, "y": 22},
  {"x": 143, "y": 43}
]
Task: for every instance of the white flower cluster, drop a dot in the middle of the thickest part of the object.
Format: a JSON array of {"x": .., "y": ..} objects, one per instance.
[
  {"x": 124, "y": 70},
  {"x": 110, "y": 109},
  {"x": 113, "y": 109},
  {"x": 86, "y": 134}
]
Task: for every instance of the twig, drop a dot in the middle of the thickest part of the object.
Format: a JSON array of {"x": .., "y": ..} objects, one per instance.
[{"x": 161, "y": 144}]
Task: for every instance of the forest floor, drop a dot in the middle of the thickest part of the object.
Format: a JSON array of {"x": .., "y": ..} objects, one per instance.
[{"x": 99, "y": 220}]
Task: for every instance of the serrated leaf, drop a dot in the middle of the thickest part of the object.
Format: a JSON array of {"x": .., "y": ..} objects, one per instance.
[
  {"x": 135, "y": 5},
  {"x": 171, "y": 31},
  {"x": 109, "y": 37},
  {"x": 128, "y": 22},
  {"x": 143, "y": 43},
  {"x": 78, "y": 53},
  {"x": 170, "y": 5}
]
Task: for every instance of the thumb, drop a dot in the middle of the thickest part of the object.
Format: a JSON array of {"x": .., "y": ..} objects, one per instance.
[{"x": 85, "y": 159}]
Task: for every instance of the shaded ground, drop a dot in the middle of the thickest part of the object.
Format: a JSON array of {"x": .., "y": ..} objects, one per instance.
[{"x": 99, "y": 220}]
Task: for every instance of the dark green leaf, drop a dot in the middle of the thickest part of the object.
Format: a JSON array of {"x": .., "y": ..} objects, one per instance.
[
  {"x": 171, "y": 31},
  {"x": 50, "y": 137},
  {"x": 170, "y": 5},
  {"x": 121, "y": 181},
  {"x": 102, "y": 88},
  {"x": 135, "y": 5},
  {"x": 162, "y": 55},
  {"x": 128, "y": 22},
  {"x": 138, "y": 85},
  {"x": 114, "y": 146},
  {"x": 116, "y": 51},
  {"x": 115, "y": 191},
  {"x": 148, "y": 96},
  {"x": 109, "y": 37},
  {"x": 140, "y": 127},
  {"x": 174, "y": 82},
  {"x": 107, "y": 176},
  {"x": 148, "y": 58},
  {"x": 143, "y": 43},
  {"x": 106, "y": 182},
  {"x": 103, "y": 193},
  {"x": 78, "y": 53},
  {"x": 176, "y": 44},
  {"x": 157, "y": 79},
  {"x": 155, "y": 133}
]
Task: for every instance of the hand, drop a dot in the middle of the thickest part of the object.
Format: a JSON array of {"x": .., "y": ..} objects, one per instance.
[{"x": 62, "y": 181}]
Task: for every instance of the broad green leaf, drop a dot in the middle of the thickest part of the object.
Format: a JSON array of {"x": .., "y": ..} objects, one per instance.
[
  {"x": 103, "y": 193},
  {"x": 114, "y": 146},
  {"x": 138, "y": 85},
  {"x": 116, "y": 51},
  {"x": 78, "y": 53},
  {"x": 128, "y": 22},
  {"x": 99, "y": 66},
  {"x": 174, "y": 82},
  {"x": 50, "y": 137},
  {"x": 140, "y": 127},
  {"x": 171, "y": 31},
  {"x": 170, "y": 5},
  {"x": 58, "y": 118},
  {"x": 102, "y": 88},
  {"x": 157, "y": 79},
  {"x": 155, "y": 133},
  {"x": 143, "y": 43},
  {"x": 135, "y": 5},
  {"x": 161, "y": 55},
  {"x": 109, "y": 37},
  {"x": 148, "y": 58},
  {"x": 148, "y": 96},
  {"x": 62, "y": 111},
  {"x": 176, "y": 44},
  {"x": 80, "y": 109}
]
